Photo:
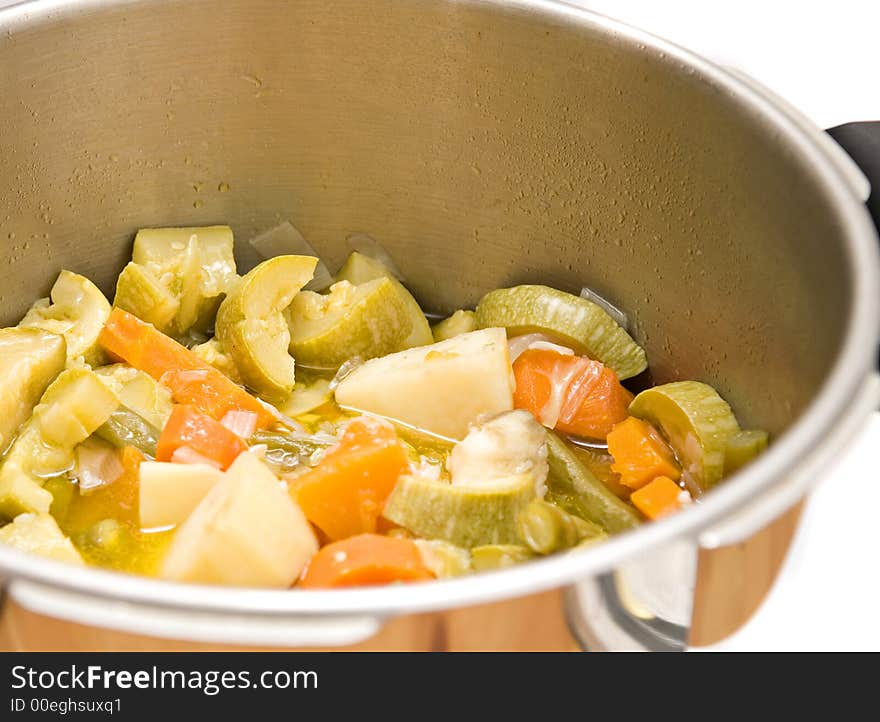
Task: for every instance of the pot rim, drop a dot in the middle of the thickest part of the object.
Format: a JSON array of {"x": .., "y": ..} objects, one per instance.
[{"x": 853, "y": 365}]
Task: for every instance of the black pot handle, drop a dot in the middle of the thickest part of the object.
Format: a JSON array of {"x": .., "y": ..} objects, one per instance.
[{"x": 861, "y": 141}]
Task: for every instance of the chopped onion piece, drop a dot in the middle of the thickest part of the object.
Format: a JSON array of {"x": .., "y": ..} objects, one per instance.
[
  {"x": 188, "y": 455},
  {"x": 518, "y": 344},
  {"x": 619, "y": 316},
  {"x": 240, "y": 423},
  {"x": 369, "y": 246},
  {"x": 283, "y": 240},
  {"x": 97, "y": 465},
  {"x": 344, "y": 370}
]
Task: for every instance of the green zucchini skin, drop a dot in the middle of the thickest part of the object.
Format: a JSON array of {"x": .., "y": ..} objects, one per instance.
[
  {"x": 465, "y": 516},
  {"x": 577, "y": 322}
]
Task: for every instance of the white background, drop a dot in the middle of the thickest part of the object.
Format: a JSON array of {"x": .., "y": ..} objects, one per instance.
[{"x": 824, "y": 58}]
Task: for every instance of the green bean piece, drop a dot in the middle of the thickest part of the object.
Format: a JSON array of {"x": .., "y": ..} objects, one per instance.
[
  {"x": 574, "y": 487},
  {"x": 499, "y": 556},
  {"x": 545, "y": 528},
  {"x": 289, "y": 449},
  {"x": 742, "y": 447},
  {"x": 126, "y": 428}
]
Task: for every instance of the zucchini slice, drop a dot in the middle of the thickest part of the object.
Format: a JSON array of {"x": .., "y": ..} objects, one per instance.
[
  {"x": 696, "y": 421},
  {"x": 360, "y": 268},
  {"x": 465, "y": 516},
  {"x": 742, "y": 447},
  {"x": 77, "y": 310},
  {"x": 576, "y": 322}
]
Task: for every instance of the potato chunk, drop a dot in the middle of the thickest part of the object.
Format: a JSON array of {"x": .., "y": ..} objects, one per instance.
[{"x": 247, "y": 531}]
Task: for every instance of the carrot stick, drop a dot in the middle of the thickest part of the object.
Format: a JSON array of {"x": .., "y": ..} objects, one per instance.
[{"x": 190, "y": 380}]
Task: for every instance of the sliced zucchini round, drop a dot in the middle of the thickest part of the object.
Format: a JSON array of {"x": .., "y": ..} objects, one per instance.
[
  {"x": 576, "y": 322},
  {"x": 251, "y": 326},
  {"x": 696, "y": 421}
]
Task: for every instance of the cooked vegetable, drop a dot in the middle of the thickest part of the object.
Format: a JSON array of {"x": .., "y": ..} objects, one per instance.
[
  {"x": 212, "y": 352},
  {"x": 191, "y": 380},
  {"x": 442, "y": 388},
  {"x": 640, "y": 453},
  {"x": 344, "y": 494},
  {"x": 366, "y": 321},
  {"x": 360, "y": 268},
  {"x": 575, "y": 489},
  {"x": 499, "y": 556},
  {"x": 138, "y": 291},
  {"x": 460, "y": 322},
  {"x": 742, "y": 447},
  {"x": 194, "y": 265},
  {"x": 598, "y": 462},
  {"x": 250, "y": 323},
  {"x": 97, "y": 465},
  {"x": 170, "y": 492},
  {"x": 294, "y": 447},
  {"x": 659, "y": 498},
  {"x": 118, "y": 500},
  {"x": 545, "y": 528},
  {"x": 245, "y": 531},
  {"x": 138, "y": 392},
  {"x": 578, "y": 323},
  {"x": 29, "y": 359},
  {"x": 39, "y": 534},
  {"x": 695, "y": 420},
  {"x": 126, "y": 428},
  {"x": 73, "y": 406},
  {"x": 572, "y": 394},
  {"x": 466, "y": 516},
  {"x": 365, "y": 559},
  {"x": 77, "y": 310},
  {"x": 306, "y": 397},
  {"x": 444, "y": 559},
  {"x": 189, "y": 428},
  {"x": 505, "y": 445}
]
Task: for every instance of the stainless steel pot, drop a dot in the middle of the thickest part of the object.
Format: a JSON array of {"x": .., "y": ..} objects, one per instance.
[{"x": 485, "y": 144}]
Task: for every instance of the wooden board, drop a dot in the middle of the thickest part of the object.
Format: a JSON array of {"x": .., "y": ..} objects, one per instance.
[{"x": 731, "y": 584}]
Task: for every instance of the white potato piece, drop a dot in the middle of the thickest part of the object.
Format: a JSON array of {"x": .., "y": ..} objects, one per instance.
[
  {"x": 247, "y": 531},
  {"x": 443, "y": 387},
  {"x": 170, "y": 492},
  {"x": 39, "y": 534}
]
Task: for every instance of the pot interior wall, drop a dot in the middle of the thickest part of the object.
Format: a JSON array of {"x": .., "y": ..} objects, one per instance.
[{"x": 482, "y": 146}]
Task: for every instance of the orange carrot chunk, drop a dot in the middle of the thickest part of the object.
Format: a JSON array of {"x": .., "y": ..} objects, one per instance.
[
  {"x": 658, "y": 498},
  {"x": 572, "y": 394},
  {"x": 190, "y": 380},
  {"x": 640, "y": 453},
  {"x": 187, "y": 427},
  {"x": 365, "y": 559},
  {"x": 345, "y": 493}
]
